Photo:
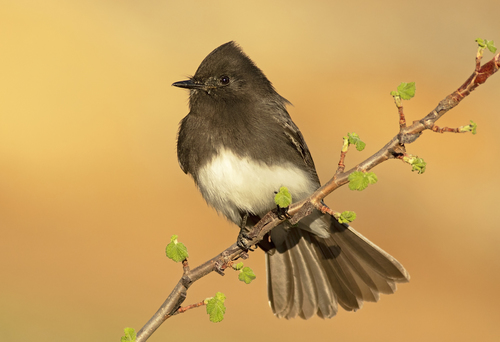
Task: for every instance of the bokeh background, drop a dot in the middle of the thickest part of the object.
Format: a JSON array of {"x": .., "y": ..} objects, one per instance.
[{"x": 90, "y": 188}]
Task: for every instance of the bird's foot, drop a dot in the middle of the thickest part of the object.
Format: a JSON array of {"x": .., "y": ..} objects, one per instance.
[
  {"x": 283, "y": 213},
  {"x": 243, "y": 238}
]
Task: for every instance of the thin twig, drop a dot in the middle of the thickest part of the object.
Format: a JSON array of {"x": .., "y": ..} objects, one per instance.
[
  {"x": 325, "y": 209},
  {"x": 186, "y": 308},
  {"x": 402, "y": 119},
  {"x": 438, "y": 129},
  {"x": 341, "y": 166}
]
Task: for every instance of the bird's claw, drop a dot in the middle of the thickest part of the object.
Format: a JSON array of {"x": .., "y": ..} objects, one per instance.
[
  {"x": 243, "y": 240},
  {"x": 283, "y": 213}
]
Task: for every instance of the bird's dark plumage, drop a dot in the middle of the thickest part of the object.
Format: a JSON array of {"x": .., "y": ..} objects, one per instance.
[{"x": 240, "y": 145}]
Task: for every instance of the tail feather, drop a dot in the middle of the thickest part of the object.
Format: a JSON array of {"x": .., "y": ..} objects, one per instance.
[
  {"x": 314, "y": 283},
  {"x": 280, "y": 293},
  {"x": 339, "y": 272},
  {"x": 310, "y": 275},
  {"x": 304, "y": 280},
  {"x": 376, "y": 258},
  {"x": 325, "y": 295}
]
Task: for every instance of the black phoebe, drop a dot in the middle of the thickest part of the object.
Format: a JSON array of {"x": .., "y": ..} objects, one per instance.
[{"x": 240, "y": 145}]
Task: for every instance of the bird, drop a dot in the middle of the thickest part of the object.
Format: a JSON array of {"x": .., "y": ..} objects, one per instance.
[{"x": 240, "y": 145}]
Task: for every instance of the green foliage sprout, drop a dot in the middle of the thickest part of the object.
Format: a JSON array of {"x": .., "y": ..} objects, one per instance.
[
  {"x": 216, "y": 308},
  {"x": 469, "y": 128},
  {"x": 283, "y": 198},
  {"x": 346, "y": 217},
  {"x": 485, "y": 44},
  {"x": 359, "y": 180},
  {"x": 175, "y": 250},
  {"x": 405, "y": 91},
  {"x": 353, "y": 139},
  {"x": 417, "y": 164},
  {"x": 238, "y": 266},
  {"x": 246, "y": 273},
  {"x": 130, "y": 335}
]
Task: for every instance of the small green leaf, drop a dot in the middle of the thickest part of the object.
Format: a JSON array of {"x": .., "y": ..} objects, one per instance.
[
  {"x": 175, "y": 250},
  {"x": 406, "y": 90},
  {"x": 355, "y": 140},
  {"x": 417, "y": 164},
  {"x": 347, "y": 217},
  {"x": 130, "y": 335},
  {"x": 469, "y": 128},
  {"x": 372, "y": 178},
  {"x": 357, "y": 181},
  {"x": 283, "y": 198},
  {"x": 485, "y": 44},
  {"x": 394, "y": 93},
  {"x": 246, "y": 275},
  {"x": 215, "y": 307},
  {"x": 473, "y": 127},
  {"x": 490, "y": 45},
  {"x": 360, "y": 180},
  {"x": 360, "y": 145},
  {"x": 238, "y": 266}
]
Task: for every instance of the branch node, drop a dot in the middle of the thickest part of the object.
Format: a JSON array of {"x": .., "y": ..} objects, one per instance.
[
  {"x": 397, "y": 150},
  {"x": 408, "y": 138},
  {"x": 325, "y": 209},
  {"x": 182, "y": 298},
  {"x": 244, "y": 255},
  {"x": 186, "y": 281},
  {"x": 341, "y": 165},
  {"x": 218, "y": 269},
  {"x": 427, "y": 122}
]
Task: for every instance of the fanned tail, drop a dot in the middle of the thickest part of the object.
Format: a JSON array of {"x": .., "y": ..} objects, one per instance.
[{"x": 309, "y": 275}]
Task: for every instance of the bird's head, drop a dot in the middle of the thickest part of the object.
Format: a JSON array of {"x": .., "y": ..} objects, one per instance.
[{"x": 228, "y": 74}]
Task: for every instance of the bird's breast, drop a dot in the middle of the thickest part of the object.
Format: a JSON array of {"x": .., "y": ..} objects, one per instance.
[{"x": 233, "y": 184}]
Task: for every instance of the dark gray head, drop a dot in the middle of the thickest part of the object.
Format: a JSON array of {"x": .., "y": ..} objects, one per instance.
[{"x": 228, "y": 74}]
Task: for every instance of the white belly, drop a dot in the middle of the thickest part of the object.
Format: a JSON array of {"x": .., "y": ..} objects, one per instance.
[{"x": 232, "y": 184}]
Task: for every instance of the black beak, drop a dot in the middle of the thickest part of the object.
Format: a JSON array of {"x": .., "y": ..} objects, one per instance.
[{"x": 189, "y": 84}]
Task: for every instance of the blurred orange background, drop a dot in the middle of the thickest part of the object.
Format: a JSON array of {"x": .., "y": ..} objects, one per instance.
[{"x": 91, "y": 191}]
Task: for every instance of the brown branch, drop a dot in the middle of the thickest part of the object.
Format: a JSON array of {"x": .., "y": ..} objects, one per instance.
[
  {"x": 341, "y": 166},
  {"x": 189, "y": 307},
  {"x": 326, "y": 210},
  {"x": 393, "y": 149},
  {"x": 438, "y": 129},
  {"x": 402, "y": 119},
  {"x": 479, "y": 56},
  {"x": 343, "y": 152},
  {"x": 186, "y": 308},
  {"x": 185, "y": 266}
]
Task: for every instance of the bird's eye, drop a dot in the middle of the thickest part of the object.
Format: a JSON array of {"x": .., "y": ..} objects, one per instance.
[{"x": 224, "y": 80}]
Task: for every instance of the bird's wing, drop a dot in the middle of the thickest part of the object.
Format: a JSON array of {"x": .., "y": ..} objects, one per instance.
[{"x": 296, "y": 138}]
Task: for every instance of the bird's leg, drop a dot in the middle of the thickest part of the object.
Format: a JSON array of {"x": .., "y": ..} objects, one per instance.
[{"x": 243, "y": 237}]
